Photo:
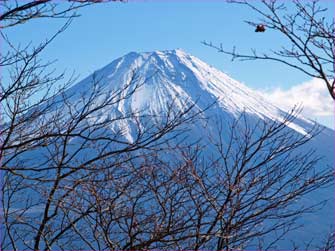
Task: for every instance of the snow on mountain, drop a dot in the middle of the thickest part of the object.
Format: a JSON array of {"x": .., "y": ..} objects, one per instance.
[{"x": 176, "y": 75}]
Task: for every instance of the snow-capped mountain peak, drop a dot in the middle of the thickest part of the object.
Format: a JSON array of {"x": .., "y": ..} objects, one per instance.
[{"x": 176, "y": 75}]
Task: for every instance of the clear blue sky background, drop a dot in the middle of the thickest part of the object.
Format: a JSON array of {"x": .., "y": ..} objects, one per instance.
[{"x": 107, "y": 31}]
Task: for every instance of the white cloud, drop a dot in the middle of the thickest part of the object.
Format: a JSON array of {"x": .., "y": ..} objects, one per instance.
[{"x": 312, "y": 95}]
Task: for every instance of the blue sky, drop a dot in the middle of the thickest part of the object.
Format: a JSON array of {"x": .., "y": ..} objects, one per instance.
[{"x": 107, "y": 31}]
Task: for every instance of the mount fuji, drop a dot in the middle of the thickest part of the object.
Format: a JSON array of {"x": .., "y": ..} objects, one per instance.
[
  {"x": 173, "y": 76},
  {"x": 178, "y": 77},
  {"x": 153, "y": 82}
]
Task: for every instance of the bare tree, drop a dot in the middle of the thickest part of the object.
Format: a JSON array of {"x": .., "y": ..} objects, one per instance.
[
  {"x": 252, "y": 186},
  {"x": 57, "y": 145},
  {"x": 51, "y": 144},
  {"x": 307, "y": 30},
  {"x": 248, "y": 190},
  {"x": 72, "y": 180}
]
